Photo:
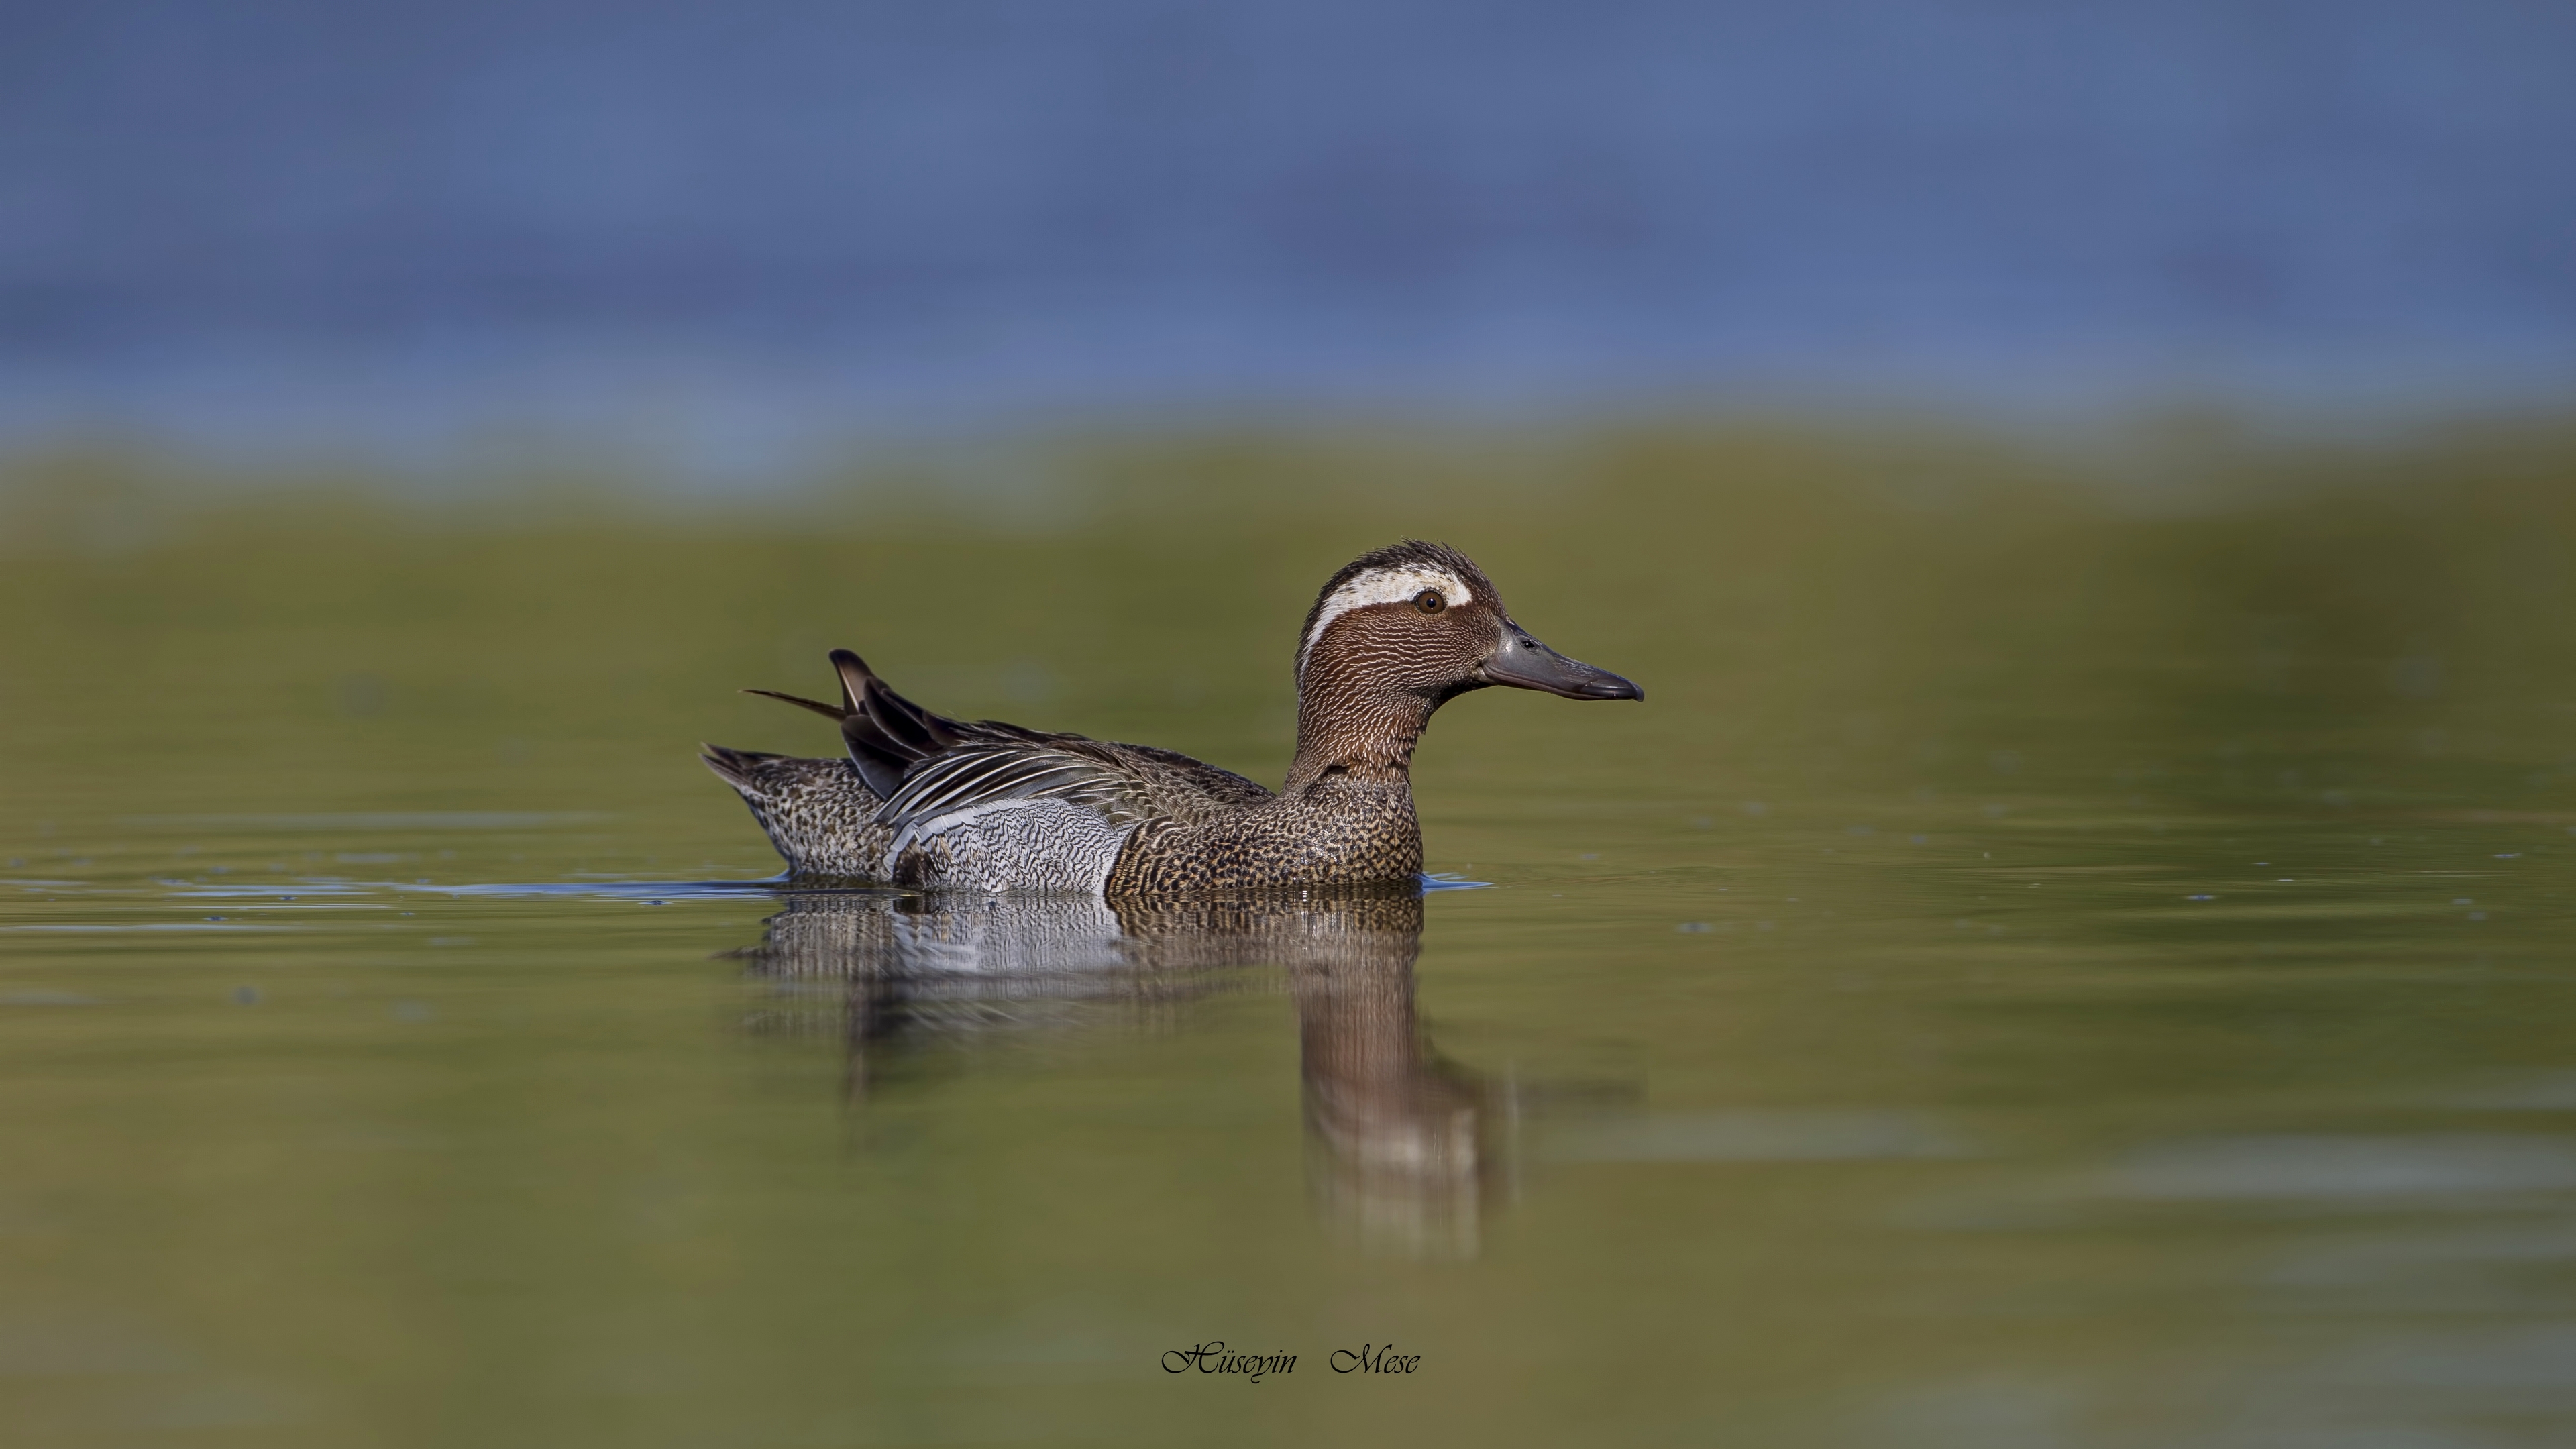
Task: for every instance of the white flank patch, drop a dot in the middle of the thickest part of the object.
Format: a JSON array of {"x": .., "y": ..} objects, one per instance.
[
  {"x": 1381, "y": 586},
  {"x": 1014, "y": 845}
]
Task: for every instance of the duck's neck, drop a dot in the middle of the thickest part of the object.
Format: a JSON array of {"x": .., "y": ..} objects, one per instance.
[{"x": 1347, "y": 728}]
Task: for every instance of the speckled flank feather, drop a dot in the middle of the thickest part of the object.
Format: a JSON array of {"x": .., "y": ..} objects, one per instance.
[{"x": 942, "y": 804}]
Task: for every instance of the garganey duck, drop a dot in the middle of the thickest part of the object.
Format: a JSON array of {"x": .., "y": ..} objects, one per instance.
[{"x": 942, "y": 804}]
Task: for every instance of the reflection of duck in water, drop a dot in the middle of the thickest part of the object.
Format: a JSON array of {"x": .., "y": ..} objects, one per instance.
[
  {"x": 924, "y": 800},
  {"x": 1404, "y": 1146}
]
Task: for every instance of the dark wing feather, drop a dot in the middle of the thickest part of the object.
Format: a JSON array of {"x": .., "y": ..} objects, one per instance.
[
  {"x": 886, "y": 733},
  {"x": 892, "y": 720},
  {"x": 828, "y": 711}
]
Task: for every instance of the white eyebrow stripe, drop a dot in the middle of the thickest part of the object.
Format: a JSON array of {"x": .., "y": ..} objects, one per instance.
[{"x": 1380, "y": 586}]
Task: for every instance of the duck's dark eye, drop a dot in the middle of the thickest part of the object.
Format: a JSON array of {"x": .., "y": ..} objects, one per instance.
[{"x": 1429, "y": 601}]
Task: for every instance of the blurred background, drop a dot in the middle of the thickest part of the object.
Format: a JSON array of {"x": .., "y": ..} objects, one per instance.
[
  {"x": 730, "y": 244},
  {"x": 2074, "y": 953}
]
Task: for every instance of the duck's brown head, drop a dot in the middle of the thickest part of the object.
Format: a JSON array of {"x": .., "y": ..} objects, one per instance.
[{"x": 1422, "y": 619}]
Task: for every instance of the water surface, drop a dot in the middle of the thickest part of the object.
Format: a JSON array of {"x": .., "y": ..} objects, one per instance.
[{"x": 2033, "y": 974}]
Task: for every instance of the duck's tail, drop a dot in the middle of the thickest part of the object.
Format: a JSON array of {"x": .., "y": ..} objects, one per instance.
[
  {"x": 821, "y": 814},
  {"x": 753, "y": 772},
  {"x": 818, "y": 812}
]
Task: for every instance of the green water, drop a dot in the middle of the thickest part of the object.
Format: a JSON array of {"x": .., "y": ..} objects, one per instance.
[{"x": 2051, "y": 964}]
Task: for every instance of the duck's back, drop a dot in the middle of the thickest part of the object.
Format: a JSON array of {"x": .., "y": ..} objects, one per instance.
[{"x": 1000, "y": 809}]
